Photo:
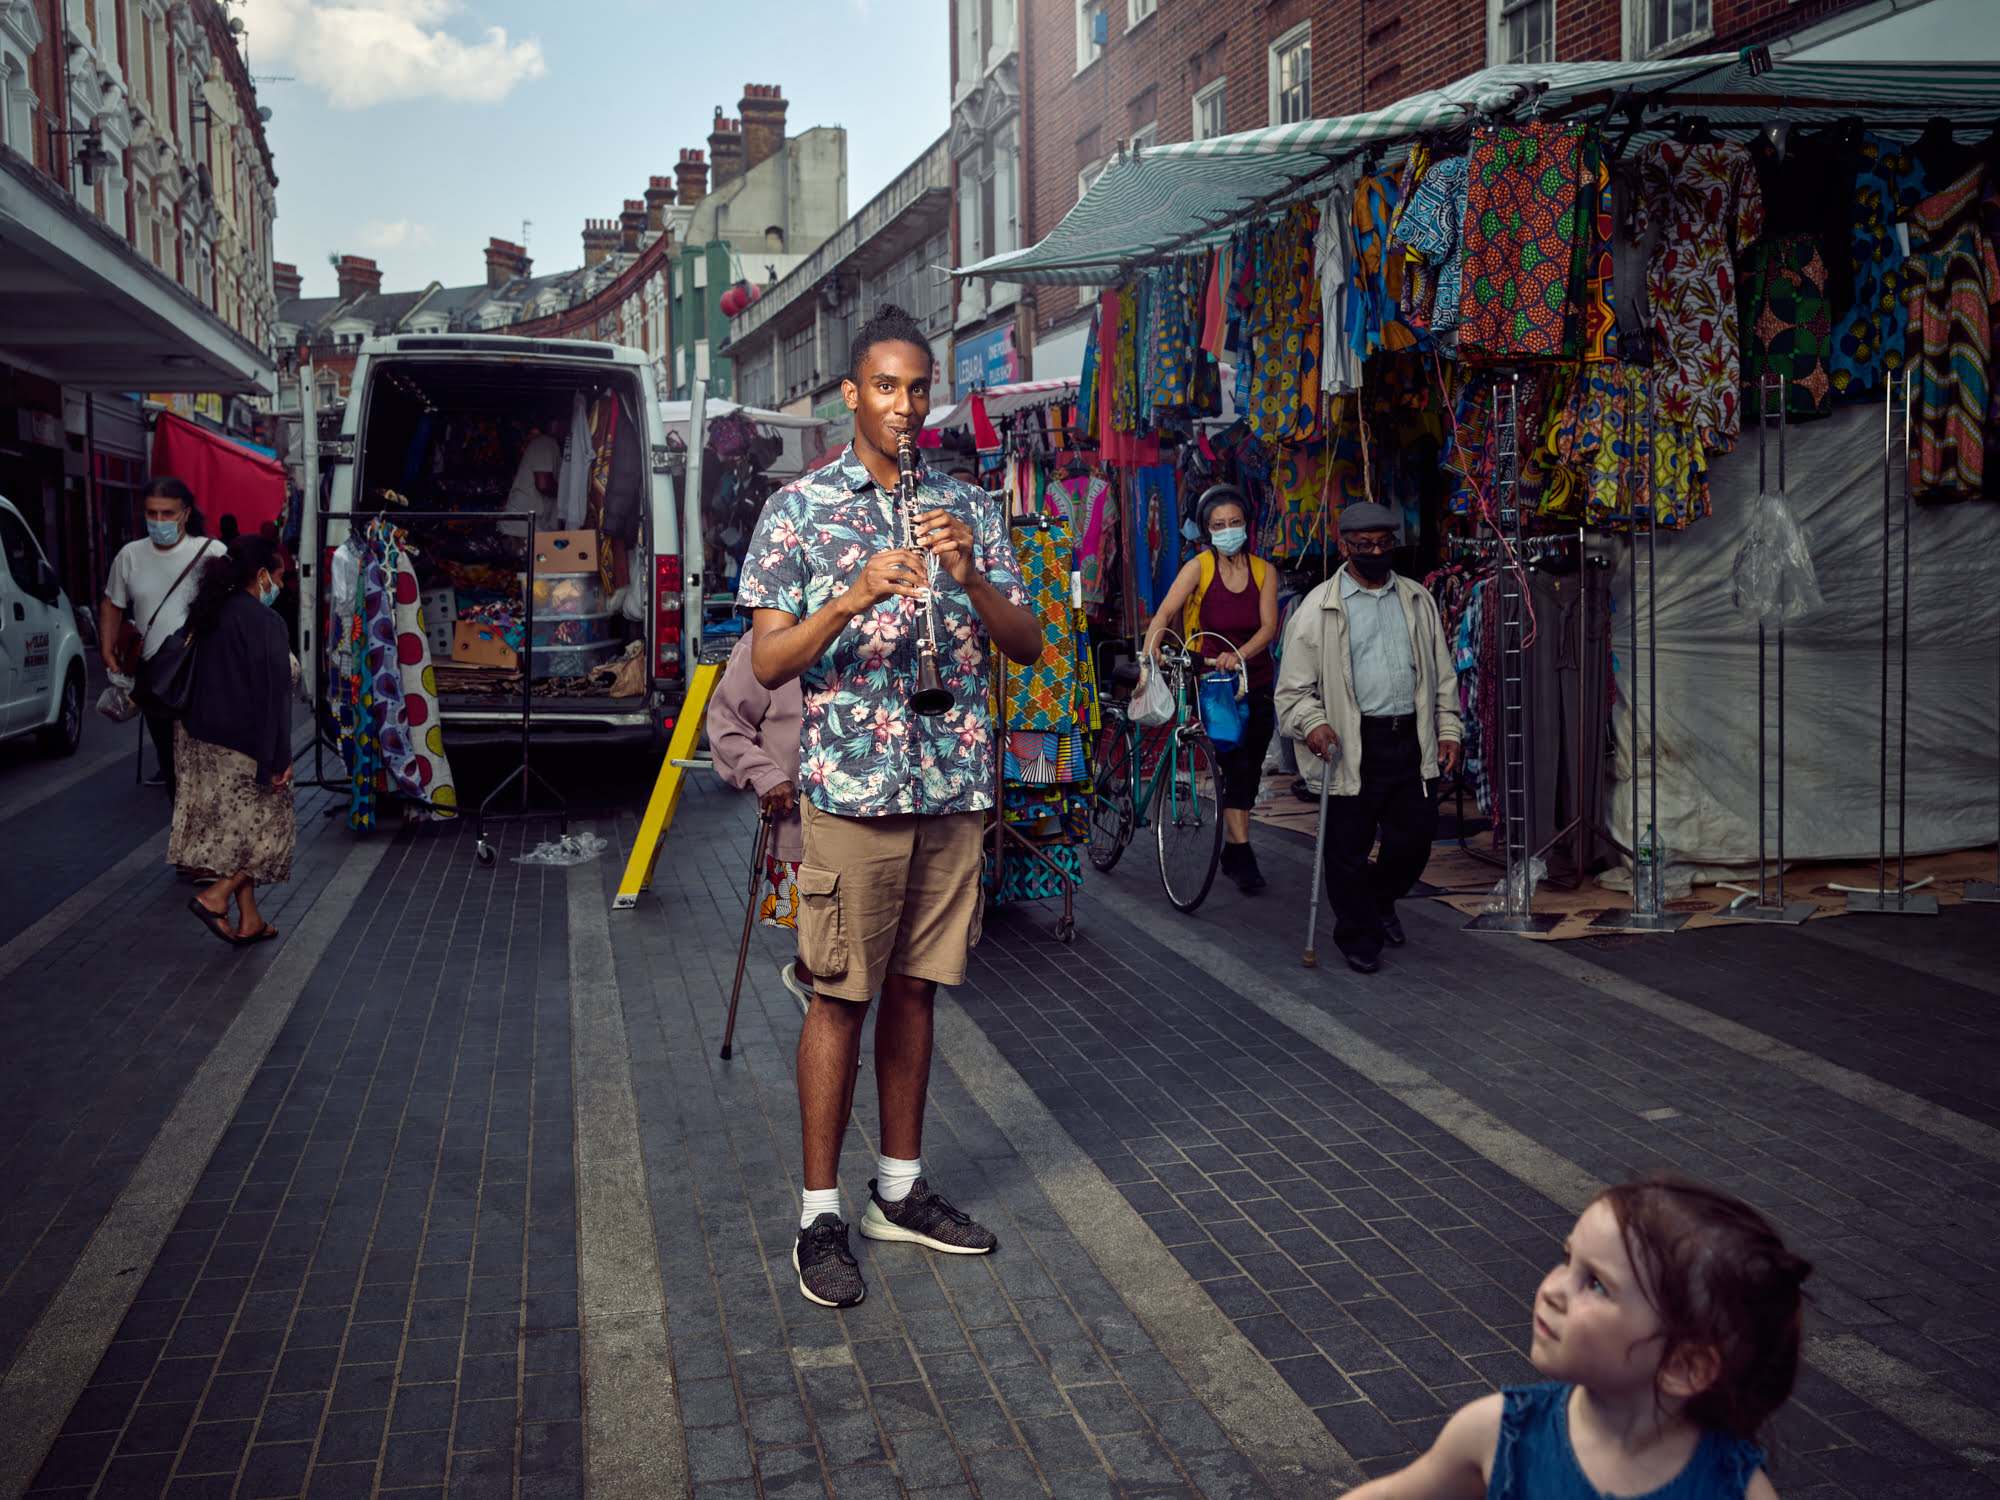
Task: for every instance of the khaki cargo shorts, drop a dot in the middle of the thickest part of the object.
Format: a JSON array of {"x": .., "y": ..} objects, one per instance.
[{"x": 899, "y": 894}]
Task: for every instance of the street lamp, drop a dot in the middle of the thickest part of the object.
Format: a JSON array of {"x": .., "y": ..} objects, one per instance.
[{"x": 93, "y": 158}]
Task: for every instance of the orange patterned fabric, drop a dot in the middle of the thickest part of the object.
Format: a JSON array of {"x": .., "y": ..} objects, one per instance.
[{"x": 1524, "y": 224}]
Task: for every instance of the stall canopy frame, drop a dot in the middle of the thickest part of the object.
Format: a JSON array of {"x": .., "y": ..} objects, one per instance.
[{"x": 1159, "y": 201}]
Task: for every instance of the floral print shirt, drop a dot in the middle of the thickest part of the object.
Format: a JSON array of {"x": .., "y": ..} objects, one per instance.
[{"x": 862, "y": 753}]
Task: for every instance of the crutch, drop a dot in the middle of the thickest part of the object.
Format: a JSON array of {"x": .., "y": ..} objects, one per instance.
[
  {"x": 749, "y": 916},
  {"x": 1311, "y": 958}
]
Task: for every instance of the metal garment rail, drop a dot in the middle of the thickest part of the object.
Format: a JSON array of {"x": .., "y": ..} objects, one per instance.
[
  {"x": 1902, "y": 900},
  {"x": 1642, "y": 710},
  {"x": 1984, "y": 892},
  {"x": 1516, "y": 793},
  {"x": 1769, "y": 904},
  {"x": 525, "y": 771}
]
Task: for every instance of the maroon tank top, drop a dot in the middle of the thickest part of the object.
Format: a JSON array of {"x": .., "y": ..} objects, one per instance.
[{"x": 1237, "y": 616}]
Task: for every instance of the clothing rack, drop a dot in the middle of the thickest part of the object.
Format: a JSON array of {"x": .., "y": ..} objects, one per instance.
[
  {"x": 1769, "y": 904},
  {"x": 1905, "y": 900},
  {"x": 524, "y": 772},
  {"x": 1516, "y": 793}
]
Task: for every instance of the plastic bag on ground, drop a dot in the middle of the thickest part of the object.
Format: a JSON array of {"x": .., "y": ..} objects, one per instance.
[
  {"x": 571, "y": 849},
  {"x": 115, "y": 702},
  {"x": 1774, "y": 578},
  {"x": 1526, "y": 878}
]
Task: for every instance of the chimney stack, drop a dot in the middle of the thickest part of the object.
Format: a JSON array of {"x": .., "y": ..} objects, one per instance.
[
  {"x": 725, "y": 149},
  {"x": 692, "y": 174},
  {"x": 504, "y": 261},
  {"x": 600, "y": 238},
  {"x": 763, "y": 111},
  {"x": 659, "y": 193},
  {"x": 286, "y": 283},
  {"x": 358, "y": 277},
  {"x": 631, "y": 226}
]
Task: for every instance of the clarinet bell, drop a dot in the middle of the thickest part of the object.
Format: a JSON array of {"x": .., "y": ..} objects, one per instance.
[{"x": 931, "y": 697}]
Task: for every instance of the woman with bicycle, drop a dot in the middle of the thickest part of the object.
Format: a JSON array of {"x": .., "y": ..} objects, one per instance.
[{"x": 1226, "y": 601}]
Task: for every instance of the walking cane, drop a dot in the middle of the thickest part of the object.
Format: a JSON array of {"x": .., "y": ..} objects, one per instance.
[
  {"x": 749, "y": 915},
  {"x": 1311, "y": 958}
]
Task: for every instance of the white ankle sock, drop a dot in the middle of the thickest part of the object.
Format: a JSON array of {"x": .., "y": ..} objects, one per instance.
[
  {"x": 893, "y": 1179},
  {"x": 819, "y": 1201}
]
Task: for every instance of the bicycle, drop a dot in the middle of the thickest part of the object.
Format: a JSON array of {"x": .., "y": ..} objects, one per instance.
[{"x": 1176, "y": 768}]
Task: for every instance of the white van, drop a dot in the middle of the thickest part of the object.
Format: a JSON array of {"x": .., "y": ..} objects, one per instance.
[
  {"x": 41, "y": 653},
  {"x": 435, "y": 423}
]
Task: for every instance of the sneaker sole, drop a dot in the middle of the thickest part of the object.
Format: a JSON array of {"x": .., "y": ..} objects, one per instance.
[
  {"x": 874, "y": 1227},
  {"x": 808, "y": 1293}
]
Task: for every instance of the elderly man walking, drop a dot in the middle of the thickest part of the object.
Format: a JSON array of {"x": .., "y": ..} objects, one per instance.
[{"x": 1367, "y": 684}]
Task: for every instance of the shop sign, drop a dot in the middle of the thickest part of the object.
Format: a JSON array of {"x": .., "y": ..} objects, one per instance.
[
  {"x": 989, "y": 359},
  {"x": 182, "y": 404}
]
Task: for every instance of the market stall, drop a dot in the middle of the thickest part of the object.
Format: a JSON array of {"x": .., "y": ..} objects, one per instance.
[{"x": 1537, "y": 312}]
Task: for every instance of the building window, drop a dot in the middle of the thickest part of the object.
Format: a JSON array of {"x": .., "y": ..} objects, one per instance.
[
  {"x": 1137, "y": 11},
  {"x": 1666, "y": 25},
  {"x": 1291, "y": 76},
  {"x": 1523, "y": 31},
  {"x": 1147, "y": 134},
  {"x": 1091, "y": 32},
  {"x": 800, "y": 369},
  {"x": 753, "y": 378},
  {"x": 1210, "y": 114},
  {"x": 1087, "y": 174}
]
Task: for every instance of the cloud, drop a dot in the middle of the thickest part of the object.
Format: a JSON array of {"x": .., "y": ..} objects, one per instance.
[
  {"x": 392, "y": 234},
  {"x": 361, "y": 53}
]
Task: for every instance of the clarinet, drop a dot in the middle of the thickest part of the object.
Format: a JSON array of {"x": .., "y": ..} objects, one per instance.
[{"x": 931, "y": 697}]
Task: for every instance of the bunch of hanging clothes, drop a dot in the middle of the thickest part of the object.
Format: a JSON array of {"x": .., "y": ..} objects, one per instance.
[{"x": 380, "y": 685}]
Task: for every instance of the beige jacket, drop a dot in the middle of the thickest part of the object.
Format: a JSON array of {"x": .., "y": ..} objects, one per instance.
[{"x": 1316, "y": 680}]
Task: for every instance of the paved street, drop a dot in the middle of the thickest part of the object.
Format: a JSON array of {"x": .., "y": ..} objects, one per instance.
[{"x": 448, "y": 1193}]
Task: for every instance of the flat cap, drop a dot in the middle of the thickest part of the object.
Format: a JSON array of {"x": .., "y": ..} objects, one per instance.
[{"x": 1365, "y": 515}]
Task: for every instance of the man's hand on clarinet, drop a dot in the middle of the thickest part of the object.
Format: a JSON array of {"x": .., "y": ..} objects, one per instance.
[
  {"x": 779, "y": 801},
  {"x": 896, "y": 573},
  {"x": 950, "y": 542}
]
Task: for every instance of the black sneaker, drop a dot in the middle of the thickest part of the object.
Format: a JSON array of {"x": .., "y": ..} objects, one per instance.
[
  {"x": 828, "y": 1272},
  {"x": 924, "y": 1218}
]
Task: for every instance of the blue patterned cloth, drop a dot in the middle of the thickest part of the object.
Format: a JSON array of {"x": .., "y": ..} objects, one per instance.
[{"x": 862, "y": 753}]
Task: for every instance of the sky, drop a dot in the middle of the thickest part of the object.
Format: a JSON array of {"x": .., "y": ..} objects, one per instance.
[{"x": 411, "y": 131}]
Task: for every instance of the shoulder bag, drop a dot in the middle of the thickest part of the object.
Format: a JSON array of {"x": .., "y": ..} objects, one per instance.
[{"x": 164, "y": 683}]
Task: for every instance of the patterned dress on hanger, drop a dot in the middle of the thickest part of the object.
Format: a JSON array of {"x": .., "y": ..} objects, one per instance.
[
  {"x": 1431, "y": 225},
  {"x": 1704, "y": 203},
  {"x": 1787, "y": 323},
  {"x": 1524, "y": 238},
  {"x": 1043, "y": 696},
  {"x": 1954, "y": 282},
  {"x": 1869, "y": 341}
]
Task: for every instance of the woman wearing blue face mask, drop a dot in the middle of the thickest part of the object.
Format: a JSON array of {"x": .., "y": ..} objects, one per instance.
[
  {"x": 234, "y": 747},
  {"x": 147, "y": 595},
  {"x": 1225, "y": 604}
]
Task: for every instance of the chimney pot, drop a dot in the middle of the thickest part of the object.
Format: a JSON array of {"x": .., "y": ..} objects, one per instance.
[
  {"x": 358, "y": 276},
  {"x": 763, "y": 110},
  {"x": 692, "y": 175},
  {"x": 286, "y": 283},
  {"x": 725, "y": 149}
]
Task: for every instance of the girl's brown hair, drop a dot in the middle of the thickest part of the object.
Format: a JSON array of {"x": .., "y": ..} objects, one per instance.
[{"x": 1722, "y": 1281}]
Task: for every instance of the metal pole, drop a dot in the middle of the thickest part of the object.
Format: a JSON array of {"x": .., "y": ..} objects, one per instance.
[
  {"x": 694, "y": 553},
  {"x": 749, "y": 917},
  {"x": 1985, "y": 892},
  {"x": 1310, "y": 959}
]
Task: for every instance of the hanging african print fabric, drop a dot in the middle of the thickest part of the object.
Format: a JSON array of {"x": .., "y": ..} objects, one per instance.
[
  {"x": 1525, "y": 232},
  {"x": 1703, "y": 201},
  {"x": 1953, "y": 282},
  {"x": 1284, "y": 331},
  {"x": 1887, "y": 186},
  {"x": 1431, "y": 225},
  {"x": 1787, "y": 324}
]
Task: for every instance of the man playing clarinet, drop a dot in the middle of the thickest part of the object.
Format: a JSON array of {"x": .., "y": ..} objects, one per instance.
[{"x": 842, "y": 581}]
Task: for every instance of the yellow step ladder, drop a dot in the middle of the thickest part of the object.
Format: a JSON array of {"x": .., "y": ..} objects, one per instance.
[{"x": 666, "y": 796}]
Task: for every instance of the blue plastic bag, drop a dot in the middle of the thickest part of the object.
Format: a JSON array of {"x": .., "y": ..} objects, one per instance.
[{"x": 1223, "y": 714}]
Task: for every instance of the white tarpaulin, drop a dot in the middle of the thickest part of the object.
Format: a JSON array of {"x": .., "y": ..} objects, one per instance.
[{"x": 1707, "y": 666}]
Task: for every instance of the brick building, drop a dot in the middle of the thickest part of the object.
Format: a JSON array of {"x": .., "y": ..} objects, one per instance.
[{"x": 1100, "y": 75}]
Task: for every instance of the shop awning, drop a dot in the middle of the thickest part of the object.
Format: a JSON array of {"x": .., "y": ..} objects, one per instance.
[
  {"x": 79, "y": 306},
  {"x": 1167, "y": 198},
  {"x": 1000, "y": 400},
  {"x": 227, "y": 478}
]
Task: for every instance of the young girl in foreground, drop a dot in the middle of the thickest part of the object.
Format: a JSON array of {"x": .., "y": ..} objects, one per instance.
[{"x": 1673, "y": 1327}]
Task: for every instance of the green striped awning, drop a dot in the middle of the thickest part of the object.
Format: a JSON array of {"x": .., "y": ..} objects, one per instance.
[{"x": 1162, "y": 199}]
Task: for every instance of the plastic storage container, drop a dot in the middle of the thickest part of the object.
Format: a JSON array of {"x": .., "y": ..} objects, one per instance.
[
  {"x": 567, "y": 594},
  {"x": 573, "y": 630},
  {"x": 571, "y": 661}
]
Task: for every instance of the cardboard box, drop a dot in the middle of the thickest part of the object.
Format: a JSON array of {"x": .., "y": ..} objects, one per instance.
[
  {"x": 566, "y": 552},
  {"x": 481, "y": 645}
]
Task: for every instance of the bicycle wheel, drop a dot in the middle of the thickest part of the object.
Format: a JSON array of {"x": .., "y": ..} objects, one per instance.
[
  {"x": 1111, "y": 812},
  {"x": 1189, "y": 820}
]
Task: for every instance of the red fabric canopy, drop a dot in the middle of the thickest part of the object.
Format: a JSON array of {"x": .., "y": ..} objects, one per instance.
[{"x": 227, "y": 478}]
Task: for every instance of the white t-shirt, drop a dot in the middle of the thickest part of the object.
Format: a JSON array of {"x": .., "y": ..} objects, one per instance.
[
  {"x": 141, "y": 574},
  {"x": 543, "y": 455}
]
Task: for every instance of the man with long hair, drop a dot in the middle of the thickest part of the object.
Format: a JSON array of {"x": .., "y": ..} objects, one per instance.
[{"x": 892, "y": 800}]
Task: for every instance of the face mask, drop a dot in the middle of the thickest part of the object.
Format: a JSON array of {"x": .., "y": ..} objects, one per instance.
[
  {"x": 1370, "y": 567},
  {"x": 164, "y": 533},
  {"x": 1229, "y": 541},
  {"x": 268, "y": 596}
]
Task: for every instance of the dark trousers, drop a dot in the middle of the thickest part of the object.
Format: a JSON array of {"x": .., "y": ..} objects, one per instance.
[
  {"x": 162, "y": 730},
  {"x": 1395, "y": 803}
]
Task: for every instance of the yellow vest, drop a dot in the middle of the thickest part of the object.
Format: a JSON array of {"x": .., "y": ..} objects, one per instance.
[{"x": 1191, "y": 615}]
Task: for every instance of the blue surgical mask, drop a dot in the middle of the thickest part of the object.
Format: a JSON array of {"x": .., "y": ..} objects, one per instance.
[
  {"x": 164, "y": 533},
  {"x": 269, "y": 596},
  {"x": 1229, "y": 541}
]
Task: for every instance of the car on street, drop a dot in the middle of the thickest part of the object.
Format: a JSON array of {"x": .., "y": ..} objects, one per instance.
[{"x": 41, "y": 651}]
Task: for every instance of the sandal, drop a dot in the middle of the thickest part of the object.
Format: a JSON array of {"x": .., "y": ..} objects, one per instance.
[
  {"x": 264, "y": 936},
  {"x": 216, "y": 922}
]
